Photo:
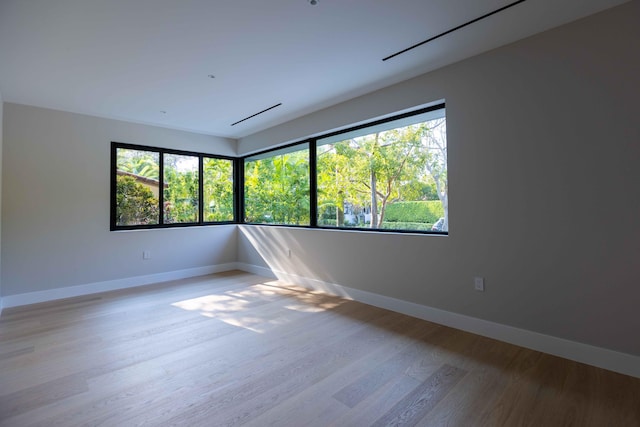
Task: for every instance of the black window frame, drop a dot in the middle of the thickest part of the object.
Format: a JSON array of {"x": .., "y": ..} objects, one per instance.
[
  {"x": 313, "y": 183},
  {"x": 162, "y": 152},
  {"x": 238, "y": 164}
]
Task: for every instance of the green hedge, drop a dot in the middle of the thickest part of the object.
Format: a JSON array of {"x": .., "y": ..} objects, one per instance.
[
  {"x": 414, "y": 212},
  {"x": 417, "y": 226}
]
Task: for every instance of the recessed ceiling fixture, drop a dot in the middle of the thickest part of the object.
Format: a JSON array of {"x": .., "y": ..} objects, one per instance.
[
  {"x": 211, "y": 76},
  {"x": 259, "y": 112},
  {"x": 313, "y": 2},
  {"x": 163, "y": 112},
  {"x": 454, "y": 29}
]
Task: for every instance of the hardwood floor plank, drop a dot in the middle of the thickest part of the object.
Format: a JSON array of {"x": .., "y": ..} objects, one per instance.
[
  {"x": 22, "y": 401},
  {"x": 18, "y": 352},
  {"x": 220, "y": 367},
  {"x": 368, "y": 384},
  {"x": 378, "y": 404},
  {"x": 417, "y": 404},
  {"x": 298, "y": 344},
  {"x": 287, "y": 380},
  {"x": 316, "y": 404},
  {"x": 238, "y": 349}
]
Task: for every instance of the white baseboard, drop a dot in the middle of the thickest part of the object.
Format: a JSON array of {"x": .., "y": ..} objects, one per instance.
[
  {"x": 112, "y": 285},
  {"x": 596, "y": 356}
]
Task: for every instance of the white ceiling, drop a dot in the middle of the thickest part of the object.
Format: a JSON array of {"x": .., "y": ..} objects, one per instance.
[{"x": 133, "y": 59}]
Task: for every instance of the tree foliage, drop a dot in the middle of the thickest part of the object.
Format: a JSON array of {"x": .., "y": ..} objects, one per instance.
[
  {"x": 277, "y": 189},
  {"x": 218, "y": 190},
  {"x": 366, "y": 174},
  {"x": 180, "y": 187},
  {"x": 181, "y": 190},
  {"x": 136, "y": 204},
  {"x": 435, "y": 147},
  {"x": 139, "y": 162},
  {"x": 377, "y": 180}
]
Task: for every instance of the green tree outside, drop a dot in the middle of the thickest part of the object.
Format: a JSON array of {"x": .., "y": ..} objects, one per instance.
[
  {"x": 218, "y": 189},
  {"x": 277, "y": 189},
  {"x": 180, "y": 188},
  {"x": 370, "y": 173},
  {"x": 384, "y": 180},
  {"x": 136, "y": 204}
]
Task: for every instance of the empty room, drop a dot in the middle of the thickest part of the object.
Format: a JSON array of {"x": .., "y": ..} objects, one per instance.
[{"x": 320, "y": 213}]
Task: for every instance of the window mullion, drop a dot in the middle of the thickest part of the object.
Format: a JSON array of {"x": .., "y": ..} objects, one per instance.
[
  {"x": 313, "y": 185},
  {"x": 238, "y": 169},
  {"x": 161, "y": 189},
  {"x": 200, "y": 189}
]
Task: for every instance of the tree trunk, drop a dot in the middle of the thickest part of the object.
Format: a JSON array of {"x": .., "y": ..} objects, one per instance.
[
  {"x": 340, "y": 210},
  {"x": 374, "y": 201},
  {"x": 339, "y": 202},
  {"x": 382, "y": 211}
]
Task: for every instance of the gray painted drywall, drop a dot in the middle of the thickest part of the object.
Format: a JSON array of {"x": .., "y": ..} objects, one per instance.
[
  {"x": 1, "y": 133},
  {"x": 544, "y": 154},
  {"x": 55, "y": 220}
]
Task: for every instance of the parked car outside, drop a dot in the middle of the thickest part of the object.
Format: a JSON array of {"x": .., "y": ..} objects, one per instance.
[{"x": 439, "y": 225}]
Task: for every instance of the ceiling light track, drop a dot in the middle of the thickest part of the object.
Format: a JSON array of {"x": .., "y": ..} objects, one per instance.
[
  {"x": 259, "y": 112},
  {"x": 454, "y": 29}
]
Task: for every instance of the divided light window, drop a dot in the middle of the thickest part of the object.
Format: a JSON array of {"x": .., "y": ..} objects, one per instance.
[
  {"x": 388, "y": 175},
  {"x": 153, "y": 187},
  {"x": 276, "y": 187},
  {"x": 391, "y": 175}
]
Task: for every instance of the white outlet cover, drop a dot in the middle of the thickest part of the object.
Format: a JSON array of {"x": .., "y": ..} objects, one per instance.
[{"x": 478, "y": 283}]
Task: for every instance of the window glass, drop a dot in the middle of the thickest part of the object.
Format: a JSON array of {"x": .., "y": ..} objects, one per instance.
[
  {"x": 392, "y": 175},
  {"x": 137, "y": 187},
  {"x": 180, "y": 189},
  {"x": 387, "y": 175},
  {"x": 276, "y": 187},
  {"x": 218, "y": 189}
]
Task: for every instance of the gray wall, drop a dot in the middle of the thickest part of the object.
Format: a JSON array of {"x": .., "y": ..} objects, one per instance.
[
  {"x": 1, "y": 133},
  {"x": 544, "y": 153},
  {"x": 55, "y": 210}
]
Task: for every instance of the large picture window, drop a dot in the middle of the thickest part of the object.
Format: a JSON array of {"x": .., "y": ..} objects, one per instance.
[
  {"x": 276, "y": 187},
  {"x": 389, "y": 175},
  {"x": 154, "y": 187}
]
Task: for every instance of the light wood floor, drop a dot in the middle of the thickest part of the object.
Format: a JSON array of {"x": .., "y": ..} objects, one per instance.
[{"x": 236, "y": 349}]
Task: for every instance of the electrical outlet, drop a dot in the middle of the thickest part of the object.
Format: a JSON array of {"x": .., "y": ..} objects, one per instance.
[
  {"x": 146, "y": 254},
  {"x": 288, "y": 253},
  {"x": 478, "y": 283}
]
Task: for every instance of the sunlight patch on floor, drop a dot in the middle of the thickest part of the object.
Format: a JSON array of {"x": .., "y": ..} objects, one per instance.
[
  {"x": 212, "y": 304},
  {"x": 225, "y": 308},
  {"x": 234, "y": 306},
  {"x": 311, "y": 305}
]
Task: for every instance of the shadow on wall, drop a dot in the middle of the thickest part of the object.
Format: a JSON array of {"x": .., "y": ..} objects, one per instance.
[{"x": 281, "y": 252}]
